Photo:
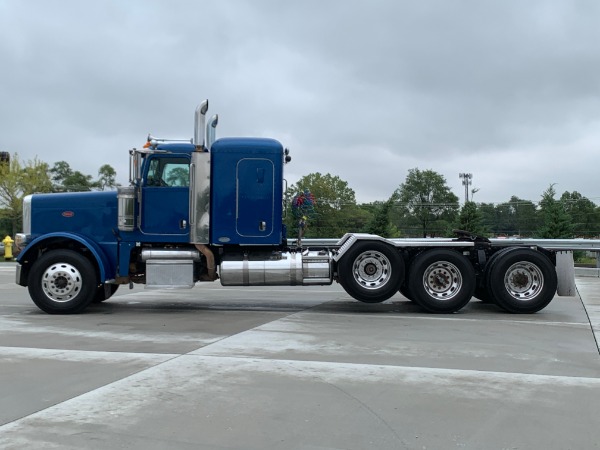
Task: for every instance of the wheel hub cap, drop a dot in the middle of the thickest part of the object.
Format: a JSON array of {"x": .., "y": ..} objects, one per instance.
[
  {"x": 524, "y": 281},
  {"x": 372, "y": 270},
  {"x": 61, "y": 282},
  {"x": 442, "y": 280}
]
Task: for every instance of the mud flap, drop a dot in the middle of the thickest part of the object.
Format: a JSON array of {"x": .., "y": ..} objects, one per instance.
[{"x": 565, "y": 271}]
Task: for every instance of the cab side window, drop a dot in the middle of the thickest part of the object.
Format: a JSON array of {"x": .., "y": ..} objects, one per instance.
[{"x": 168, "y": 172}]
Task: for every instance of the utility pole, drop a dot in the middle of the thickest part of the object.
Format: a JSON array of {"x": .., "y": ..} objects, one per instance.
[{"x": 466, "y": 181}]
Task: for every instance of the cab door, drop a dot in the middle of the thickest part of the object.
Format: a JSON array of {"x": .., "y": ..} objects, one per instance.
[{"x": 165, "y": 196}]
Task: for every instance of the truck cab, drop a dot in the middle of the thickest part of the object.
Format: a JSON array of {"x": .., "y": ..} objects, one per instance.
[{"x": 188, "y": 203}]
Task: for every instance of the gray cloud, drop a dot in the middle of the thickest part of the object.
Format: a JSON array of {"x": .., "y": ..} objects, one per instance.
[{"x": 365, "y": 90}]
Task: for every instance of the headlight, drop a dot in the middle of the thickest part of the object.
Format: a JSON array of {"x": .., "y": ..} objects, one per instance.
[{"x": 21, "y": 241}]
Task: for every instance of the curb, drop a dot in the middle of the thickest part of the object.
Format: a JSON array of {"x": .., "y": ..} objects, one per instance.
[{"x": 587, "y": 272}]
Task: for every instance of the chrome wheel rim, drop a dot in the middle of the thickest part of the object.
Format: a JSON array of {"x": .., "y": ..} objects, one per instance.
[
  {"x": 442, "y": 280},
  {"x": 61, "y": 282},
  {"x": 372, "y": 270},
  {"x": 524, "y": 280}
]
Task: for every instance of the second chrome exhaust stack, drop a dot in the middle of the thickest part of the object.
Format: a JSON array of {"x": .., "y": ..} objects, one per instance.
[
  {"x": 211, "y": 131},
  {"x": 199, "y": 124}
]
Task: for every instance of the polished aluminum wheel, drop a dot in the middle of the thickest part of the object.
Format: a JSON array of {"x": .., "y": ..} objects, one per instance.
[
  {"x": 61, "y": 282},
  {"x": 371, "y": 269},
  {"x": 442, "y": 280},
  {"x": 524, "y": 280}
]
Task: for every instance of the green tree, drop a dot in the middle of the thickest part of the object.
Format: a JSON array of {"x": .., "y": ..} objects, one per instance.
[
  {"x": 470, "y": 219},
  {"x": 426, "y": 201},
  {"x": 488, "y": 217},
  {"x": 59, "y": 172},
  {"x": 336, "y": 212},
  {"x": 515, "y": 217},
  {"x": 66, "y": 179},
  {"x": 557, "y": 223},
  {"x": 380, "y": 222},
  {"x": 18, "y": 179},
  {"x": 526, "y": 216},
  {"x": 584, "y": 214},
  {"x": 78, "y": 182},
  {"x": 107, "y": 178}
]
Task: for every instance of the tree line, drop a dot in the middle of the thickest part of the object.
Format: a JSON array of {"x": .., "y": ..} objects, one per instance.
[
  {"x": 422, "y": 206},
  {"x": 425, "y": 206}
]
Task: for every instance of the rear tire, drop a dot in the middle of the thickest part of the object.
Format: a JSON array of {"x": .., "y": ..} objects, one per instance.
[
  {"x": 522, "y": 281},
  {"x": 405, "y": 291},
  {"x": 483, "y": 295},
  {"x": 441, "y": 281},
  {"x": 62, "y": 282},
  {"x": 371, "y": 271},
  {"x": 483, "y": 291}
]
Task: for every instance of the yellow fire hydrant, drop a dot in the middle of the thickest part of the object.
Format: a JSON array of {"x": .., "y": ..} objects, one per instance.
[{"x": 8, "y": 242}]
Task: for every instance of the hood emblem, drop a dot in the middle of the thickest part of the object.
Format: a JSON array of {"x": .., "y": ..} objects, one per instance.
[{"x": 67, "y": 214}]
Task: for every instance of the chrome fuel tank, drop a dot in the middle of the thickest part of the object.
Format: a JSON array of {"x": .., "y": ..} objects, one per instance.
[{"x": 277, "y": 269}]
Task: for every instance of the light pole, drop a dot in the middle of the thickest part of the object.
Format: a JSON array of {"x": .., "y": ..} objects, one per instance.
[{"x": 466, "y": 181}]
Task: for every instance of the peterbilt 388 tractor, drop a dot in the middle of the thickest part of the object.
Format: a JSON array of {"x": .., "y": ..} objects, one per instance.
[{"x": 211, "y": 209}]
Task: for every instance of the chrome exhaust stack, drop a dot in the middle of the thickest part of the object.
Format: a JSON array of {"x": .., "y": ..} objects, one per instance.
[
  {"x": 199, "y": 208},
  {"x": 211, "y": 131},
  {"x": 199, "y": 124}
]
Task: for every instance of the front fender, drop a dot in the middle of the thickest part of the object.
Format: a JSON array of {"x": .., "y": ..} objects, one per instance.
[{"x": 62, "y": 240}]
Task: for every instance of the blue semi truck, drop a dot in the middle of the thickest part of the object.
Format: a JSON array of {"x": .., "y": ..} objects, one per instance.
[{"x": 211, "y": 209}]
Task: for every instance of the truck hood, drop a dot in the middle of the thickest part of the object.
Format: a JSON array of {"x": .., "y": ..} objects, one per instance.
[{"x": 89, "y": 213}]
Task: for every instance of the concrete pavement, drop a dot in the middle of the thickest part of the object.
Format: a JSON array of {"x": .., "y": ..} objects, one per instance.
[
  {"x": 588, "y": 287},
  {"x": 296, "y": 368}
]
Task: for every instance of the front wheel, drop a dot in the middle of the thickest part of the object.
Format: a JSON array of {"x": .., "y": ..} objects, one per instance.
[
  {"x": 371, "y": 271},
  {"x": 522, "y": 281},
  {"x": 62, "y": 282},
  {"x": 441, "y": 281}
]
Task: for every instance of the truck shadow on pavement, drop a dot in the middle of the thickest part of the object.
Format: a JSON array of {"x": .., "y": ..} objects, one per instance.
[{"x": 396, "y": 305}]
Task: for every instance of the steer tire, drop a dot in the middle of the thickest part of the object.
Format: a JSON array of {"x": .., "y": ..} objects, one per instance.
[
  {"x": 522, "y": 281},
  {"x": 441, "y": 280},
  {"x": 371, "y": 271},
  {"x": 62, "y": 282}
]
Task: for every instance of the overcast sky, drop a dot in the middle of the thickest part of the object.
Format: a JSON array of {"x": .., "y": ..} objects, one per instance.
[{"x": 507, "y": 90}]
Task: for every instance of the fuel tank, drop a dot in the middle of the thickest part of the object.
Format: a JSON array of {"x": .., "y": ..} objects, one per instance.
[{"x": 276, "y": 268}]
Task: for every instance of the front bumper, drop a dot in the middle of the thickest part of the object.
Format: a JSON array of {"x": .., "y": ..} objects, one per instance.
[{"x": 19, "y": 278}]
